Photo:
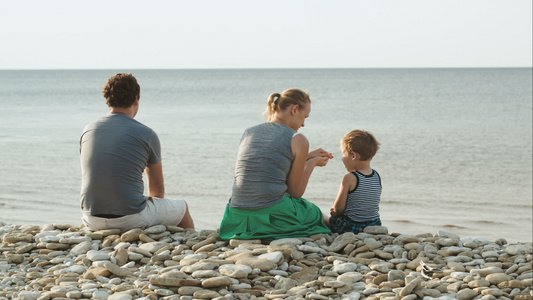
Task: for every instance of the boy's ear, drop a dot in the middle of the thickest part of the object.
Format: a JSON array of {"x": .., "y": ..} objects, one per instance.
[{"x": 355, "y": 156}]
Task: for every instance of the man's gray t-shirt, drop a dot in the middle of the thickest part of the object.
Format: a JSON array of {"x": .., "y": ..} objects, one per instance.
[
  {"x": 114, "y": 152},
  {"x": 263, "y": 164}
]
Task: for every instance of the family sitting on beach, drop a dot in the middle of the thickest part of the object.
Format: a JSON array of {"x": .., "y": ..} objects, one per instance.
[{"x": 273, "y": 168}]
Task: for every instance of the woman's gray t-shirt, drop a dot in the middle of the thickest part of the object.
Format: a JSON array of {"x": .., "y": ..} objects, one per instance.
[{"x": 263, "y": 164}]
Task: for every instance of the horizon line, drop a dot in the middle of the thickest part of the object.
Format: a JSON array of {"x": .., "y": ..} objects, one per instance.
[{"x": 266, "y": 68}]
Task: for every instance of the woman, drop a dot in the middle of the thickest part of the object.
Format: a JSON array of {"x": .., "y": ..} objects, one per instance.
[{"x": 272, "y": 170}]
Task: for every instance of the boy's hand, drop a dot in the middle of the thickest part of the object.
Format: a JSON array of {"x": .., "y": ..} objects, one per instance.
[{"x": 332, "y": 212}]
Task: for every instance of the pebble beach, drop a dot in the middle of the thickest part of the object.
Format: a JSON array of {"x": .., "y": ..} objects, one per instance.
[{"x": 166, "y": 262}]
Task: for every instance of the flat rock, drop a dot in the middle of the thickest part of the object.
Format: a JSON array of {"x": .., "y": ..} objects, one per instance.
[
  {"x": 253, "y": 262},
  {"x": 235, "y": 271},
  {"x": 497, "y": 278},
  {"x": 342, "y": 240},
  {"x": 376, "y": 230},
  {"x": 217, "y": 282}
]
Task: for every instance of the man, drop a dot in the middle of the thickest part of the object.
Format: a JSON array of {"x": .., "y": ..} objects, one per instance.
[{"x": 115, "y": 150}]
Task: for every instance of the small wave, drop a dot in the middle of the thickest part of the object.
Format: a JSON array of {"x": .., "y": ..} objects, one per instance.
[
  {"x": 487, "y": 222},
  {"x": 453, "y": 226},
  {"x": 404, "y": 221}
]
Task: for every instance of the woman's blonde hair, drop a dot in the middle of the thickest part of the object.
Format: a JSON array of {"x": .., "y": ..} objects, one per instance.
[{"x": 278, "y": 102}]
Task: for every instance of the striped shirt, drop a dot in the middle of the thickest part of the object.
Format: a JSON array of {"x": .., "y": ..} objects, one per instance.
[{"x": 362, "y": 204}]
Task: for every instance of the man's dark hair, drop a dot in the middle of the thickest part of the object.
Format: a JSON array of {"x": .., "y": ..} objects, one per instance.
[{"x": 120, "y": 90}]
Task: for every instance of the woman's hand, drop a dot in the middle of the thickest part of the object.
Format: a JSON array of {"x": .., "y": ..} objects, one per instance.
[
  {"x": 318, "y": 161},
  {"x": 319, "y": 153}
]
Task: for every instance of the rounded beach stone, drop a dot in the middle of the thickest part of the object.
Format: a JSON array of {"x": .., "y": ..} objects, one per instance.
[
  {"x": 511, "y": 284},
  {"x": 235, "y": 271},
  {"x": 275, "y": 256},
  {"x": 153, "y": 247},
  {"x": 341, "y": 241},
  {"x": 121, "y": 256},
  {"x": 518, "y": 249},
  {"x": 155, "y": 229},
  {"x": 95, "y": 255},
  {"x": 291, "y": 241},
  {"x": 253, "y": 262},
  {"x": 205, "y": 294},
  {"x": 395, "y": 275},
  {"x": 497, "y": 278},
  {"x": 120, "y": 296},
  {"x": 466, "y": 294},
  {"x": 27, "y": 295},
  {"x": 188, "y": 290},
  {"x": 217, "y": 282},
  {"x": 17, "y": 237},
  {"x": 81, "y": 248},
  {"x": 344, "y": 268},
  {"x": 479, "y": 283},
  {"x": 376, "y": 230},
  {"x": 100, "y": 295},
  {"x": 410, "y": 287},
  {"x": 131, "y": 235},
  {"x": 164, "y": 281}
]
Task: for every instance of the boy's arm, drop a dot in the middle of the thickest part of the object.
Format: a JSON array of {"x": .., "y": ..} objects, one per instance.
[{"x": 349, "y": 181}]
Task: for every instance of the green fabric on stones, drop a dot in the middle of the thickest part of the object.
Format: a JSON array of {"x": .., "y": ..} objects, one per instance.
[{"x": 292, "y": 217}]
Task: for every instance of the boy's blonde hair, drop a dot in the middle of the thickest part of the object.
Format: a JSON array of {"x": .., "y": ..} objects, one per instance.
[
  {"x": 361, "y": 142},
  {"x": 278, "y": 102}
]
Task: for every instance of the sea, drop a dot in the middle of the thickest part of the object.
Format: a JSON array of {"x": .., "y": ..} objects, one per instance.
[{"x": 456, "y": 144}]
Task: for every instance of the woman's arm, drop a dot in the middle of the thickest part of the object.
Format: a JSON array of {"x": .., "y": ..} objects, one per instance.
[
  {"x": 349, "y": 181},
  {"x": 302, "y": 167}
]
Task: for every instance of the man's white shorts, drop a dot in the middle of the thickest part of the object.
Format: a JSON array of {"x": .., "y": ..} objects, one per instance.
[{"x": 157, "y": 211}]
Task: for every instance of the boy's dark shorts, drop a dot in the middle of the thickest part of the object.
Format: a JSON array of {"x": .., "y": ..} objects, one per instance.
[{"x": 344, "y": 224}]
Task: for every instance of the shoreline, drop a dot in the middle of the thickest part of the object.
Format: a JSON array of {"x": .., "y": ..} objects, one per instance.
[{"x": 64, "y": 261}]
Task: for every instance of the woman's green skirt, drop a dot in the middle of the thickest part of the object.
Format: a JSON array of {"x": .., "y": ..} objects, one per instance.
[{"x": 292, "y": 217}]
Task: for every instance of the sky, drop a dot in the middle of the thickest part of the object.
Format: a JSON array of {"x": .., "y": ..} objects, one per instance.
[{"x": 177, "y": 34}]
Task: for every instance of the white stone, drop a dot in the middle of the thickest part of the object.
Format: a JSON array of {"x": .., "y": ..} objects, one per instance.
[
  {"x": 311, "y": 249},
  {"x": 344, "y": 268},
  {"x": 235, "y": 271},
  {"x": 518, "y": 249},
  {"x": 487, "y": 254},
  {"x": 95, "y": 255},
  {"x": 100, "y": 295},
  {"x": 293, "y": 241},
  {"x": 81, "y": 248},
  {"x": 74, "y": 269},
  {"x": 351, "y": 296},
  {"x": 155, "y": 229},
  {"x": 75, "y": 240},
  {"x": 120, "y": 296},
  {"x": 459, "y": 275},
  {"x": 26, "y": 295},
  {"x": 272, "y": 256},
  {"x": 447, "y": 234},
  {"x": 153, "y": 246},
  {"x": 376, "y": 230}
]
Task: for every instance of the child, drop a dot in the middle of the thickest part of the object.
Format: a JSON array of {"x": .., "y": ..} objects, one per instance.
[{"x": 357, "y": 204}]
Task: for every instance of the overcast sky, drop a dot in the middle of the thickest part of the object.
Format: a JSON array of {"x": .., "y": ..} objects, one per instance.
[{"x": 265, "y": 34}]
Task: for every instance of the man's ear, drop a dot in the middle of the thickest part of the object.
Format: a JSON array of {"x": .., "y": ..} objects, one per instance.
[{"x": 355, "y": 156}]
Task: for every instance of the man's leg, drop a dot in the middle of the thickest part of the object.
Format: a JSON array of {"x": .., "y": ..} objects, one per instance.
[{"x": 187, "y": 221}]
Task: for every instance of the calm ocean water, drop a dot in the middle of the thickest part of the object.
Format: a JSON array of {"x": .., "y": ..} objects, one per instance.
[{"x": 456, "y": 149}]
